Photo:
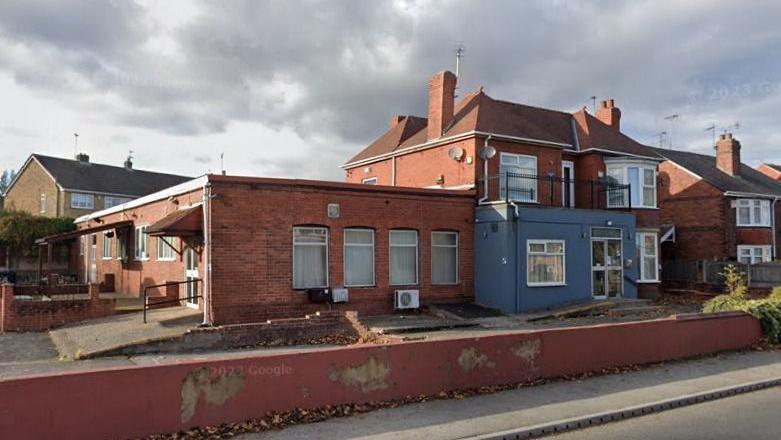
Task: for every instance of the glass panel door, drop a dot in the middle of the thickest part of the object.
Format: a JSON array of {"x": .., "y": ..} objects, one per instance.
[
  {"x": 191, "y": 275},
  {"x": 606, "y": 267}
]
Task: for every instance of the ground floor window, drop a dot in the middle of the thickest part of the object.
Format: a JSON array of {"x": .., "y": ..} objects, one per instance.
[
  {"x": 444, "y": 257},
  {"x": 165, "y": 248},
  {"x": 403, "y": 257},
  {"x": 141, "y": 243},
  {"x": 648, "y": 256},
  {"x": 754, "y": 254},
  {"x": 545, "y": 263},
  {"x": 107, "y": 240},
  {"x": 310, "y": 257},
  {"x": 358, "y": 257}
]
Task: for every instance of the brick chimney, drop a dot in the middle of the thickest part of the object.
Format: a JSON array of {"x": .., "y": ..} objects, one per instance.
[
  {"x": 441, "y": 97},
  {"x": 396, "y": 120},
  {"x": 609, "y": 114},
  {"x": 728, "y": 154}
]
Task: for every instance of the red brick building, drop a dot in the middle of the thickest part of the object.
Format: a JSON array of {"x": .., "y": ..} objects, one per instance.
[
  {"x": 722, "y": 209},
  {"x": 542, "y": 157},
  {"x": 258, "y": 245}
]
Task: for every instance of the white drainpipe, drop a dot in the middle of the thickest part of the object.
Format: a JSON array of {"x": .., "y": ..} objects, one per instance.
[
  {"x": 485, "y": 175},
  {"x": 207, "y": 261},
  {"x": 773, "y": 228}
]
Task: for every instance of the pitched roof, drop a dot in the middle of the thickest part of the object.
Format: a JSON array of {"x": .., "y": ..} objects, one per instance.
[
  {"x": 93, "y": 177},
  {"x": 774, "y": 166},
  {"x": 478, "y": 112},
  {"x": 749, "y": 181},
  {"x": 593, "y": 133}
]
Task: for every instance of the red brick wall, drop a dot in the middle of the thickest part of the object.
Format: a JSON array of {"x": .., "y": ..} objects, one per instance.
[
  {"x": 757, "y": 236},
  {"x": 131, "y": 276},
  {"x": 699, "y": 212},
  {"x": 252, "y": 245},
  {"x": 27, "y": 315}
]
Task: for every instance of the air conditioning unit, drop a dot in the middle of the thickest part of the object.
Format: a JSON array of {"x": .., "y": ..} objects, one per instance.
[
  {"x": 406, "y": 299},
  {"x": 339, "y": 295}
]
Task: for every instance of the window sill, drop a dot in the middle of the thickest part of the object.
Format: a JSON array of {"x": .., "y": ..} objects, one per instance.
[
  {"x": 366, "y": 286},
  {"x": 547, "y": 285},
  {"x": 754, "y": 226},
  {"x": 649, "y": 282},
  {"x": 81, "y": 208},
  {"x": 106, "y": 259},
  {"x": 166, "y": 260},
  {"x": 445, "y": 284}
]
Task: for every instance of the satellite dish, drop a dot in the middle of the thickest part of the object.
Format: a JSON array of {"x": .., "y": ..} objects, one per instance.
[
  {"x": 487, "y": 152},
  {"x": 456, "y": 153}
]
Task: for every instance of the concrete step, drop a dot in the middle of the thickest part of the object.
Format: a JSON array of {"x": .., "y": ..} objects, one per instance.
[
  {"x": 629, "y": 303},
  {"x": 128, "y": 304},
  {"x": 635, "y": 310}
]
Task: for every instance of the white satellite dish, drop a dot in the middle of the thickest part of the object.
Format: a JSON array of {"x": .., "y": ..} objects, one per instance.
[
  {"x": 487, "y": 152},
  {"x": 456, "y": 153}
]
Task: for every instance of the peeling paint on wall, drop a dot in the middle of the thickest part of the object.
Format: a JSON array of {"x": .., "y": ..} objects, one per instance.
[
  {"x": 370, "y": 376},
  {"x": 527, "y": 350},
  {"x": 215, "y": 389},
  {"x": 469, "y": 359}
]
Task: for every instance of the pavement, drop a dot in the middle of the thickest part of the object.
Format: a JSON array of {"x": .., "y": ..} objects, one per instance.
[
  {"x": 510, "y": 410},
  {"x": 753, "y": 415},
  {"x": 97, "y": 337}
]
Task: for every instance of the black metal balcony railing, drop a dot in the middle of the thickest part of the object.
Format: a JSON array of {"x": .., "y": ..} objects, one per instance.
[{"x": 559, "y": 192}]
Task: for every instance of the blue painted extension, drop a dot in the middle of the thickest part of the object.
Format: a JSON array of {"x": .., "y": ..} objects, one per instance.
[{"x": 501, "y": 243}]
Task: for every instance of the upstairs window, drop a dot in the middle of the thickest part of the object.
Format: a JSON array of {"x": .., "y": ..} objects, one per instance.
[
  {"x": 641, "y": 179},
  {"x": 42, "y": 209},
  {"x": 518, "y": 177},
  {"x": 82, "y": 201},
  {"x": 111, "y": 201},
  {"x": 310, "y": 257},
  {"x": 752, "y": 212}
]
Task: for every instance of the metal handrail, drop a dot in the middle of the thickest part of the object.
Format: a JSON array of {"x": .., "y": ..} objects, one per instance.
[
  {"x": 176, "y": 283},
  {"x": 595, "y": 187}
]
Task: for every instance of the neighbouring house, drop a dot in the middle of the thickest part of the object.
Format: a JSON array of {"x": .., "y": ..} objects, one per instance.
[
  {"x": 258, "y": 248},
  {"x": 57, "y": 187},
  {"x": 567, "y": 203},
  {"x": 722, "y": 209}
]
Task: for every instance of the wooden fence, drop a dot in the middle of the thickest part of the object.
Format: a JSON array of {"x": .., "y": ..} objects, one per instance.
[{"x": 761, "y": 275}]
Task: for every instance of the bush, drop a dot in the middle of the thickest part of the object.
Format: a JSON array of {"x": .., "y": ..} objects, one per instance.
[
  {"x": 767, "y": 310},
  {"x": 19, "y": 230}
]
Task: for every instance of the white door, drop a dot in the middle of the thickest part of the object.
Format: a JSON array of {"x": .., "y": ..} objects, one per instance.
[
  {"x": 606, "y": 263},
  {"x": 191, "y": 275},
  {"x": 92, "y": 256},
  {"x": 567, "y": 184}
]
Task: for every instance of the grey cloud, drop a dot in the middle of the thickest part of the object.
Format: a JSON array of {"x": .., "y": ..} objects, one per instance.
[{"x": 338, "y": 70}]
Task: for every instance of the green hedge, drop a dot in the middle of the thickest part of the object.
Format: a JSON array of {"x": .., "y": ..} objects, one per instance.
[{"x": 19, "y": 230}]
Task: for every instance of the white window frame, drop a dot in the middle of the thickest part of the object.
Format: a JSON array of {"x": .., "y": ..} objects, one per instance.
[
  {"x": 642, "y": 167},
  {"x": 344, "y": 256},
  {"x": 449, "y": 246},
  {"x": 169, "y": 245},
  {"x": 141, "y": 234},
  {"x": 106, "y": 241},
  {"x": 563, "y": 255},
  {"x": 765, "y": 253},
  {"x": 42, "y": 207},
  {"x": 82, "y": 201},
  {"x": 533, "y": 186},
  {"x": 752, "y": 204},
  {"x": 369, "y": 181},
  {"x": 327, "y": 256},
  {"x": 640, "y": 243},
  {"x": 115, "y": 201},
  {"x": 417, "y": 256}
]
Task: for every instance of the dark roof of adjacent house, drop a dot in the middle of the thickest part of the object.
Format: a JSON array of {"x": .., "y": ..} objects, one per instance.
[
  {"x": 107, "y": 179},
  {"x": 703, "y": 165}
]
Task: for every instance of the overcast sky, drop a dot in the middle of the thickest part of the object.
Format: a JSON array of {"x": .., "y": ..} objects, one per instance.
[{"x": 295, "y": 88}]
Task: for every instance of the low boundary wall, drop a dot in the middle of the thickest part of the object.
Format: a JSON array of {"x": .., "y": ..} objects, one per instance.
[
  {"x": 137, "y": 401},
  {"x": 23, "y": 315}
]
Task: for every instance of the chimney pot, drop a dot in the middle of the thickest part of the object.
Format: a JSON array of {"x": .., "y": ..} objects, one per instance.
[
  {"x": 603, "y": 104},
  {"x": 396, "y": 120},
  {"x": 128, "y": 164},
  {"x": 441, "y": 102},
  {"x": 82, "y": 157},
  {"x": 611, "y": 103}
]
